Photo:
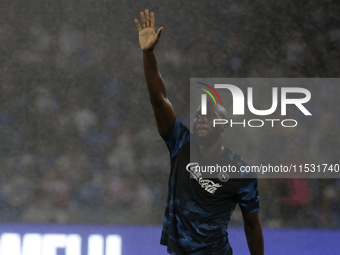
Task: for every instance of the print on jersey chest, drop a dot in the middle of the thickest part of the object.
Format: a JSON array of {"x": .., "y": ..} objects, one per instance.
[{"x": 206, "y": 184}]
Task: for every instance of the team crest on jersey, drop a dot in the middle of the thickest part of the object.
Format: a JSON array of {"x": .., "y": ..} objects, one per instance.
[{"x": 223, "y": 177}]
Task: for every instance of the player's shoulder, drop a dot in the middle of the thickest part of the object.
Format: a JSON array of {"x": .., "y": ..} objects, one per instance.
[
  {"x": 235, "y": 158},
  {"x": 177, "y": 129},
  {"x": 241, "y": 165},
  {"x": 177, "y": 137}
]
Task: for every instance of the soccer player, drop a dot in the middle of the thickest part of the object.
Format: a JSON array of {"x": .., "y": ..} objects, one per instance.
[{"x": 198, "y": 209}]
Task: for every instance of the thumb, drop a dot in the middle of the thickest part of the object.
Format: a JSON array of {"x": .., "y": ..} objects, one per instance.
[{"x": 159, "y": 32}]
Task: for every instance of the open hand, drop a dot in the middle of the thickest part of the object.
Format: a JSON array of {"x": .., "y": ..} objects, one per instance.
[{"x": 147, "y": 36}]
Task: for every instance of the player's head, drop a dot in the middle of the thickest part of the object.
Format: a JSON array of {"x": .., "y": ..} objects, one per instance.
[{"x": 203, "y": 130}]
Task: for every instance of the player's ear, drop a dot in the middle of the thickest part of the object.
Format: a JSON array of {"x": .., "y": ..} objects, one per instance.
[{"x": 225, "y": 127}]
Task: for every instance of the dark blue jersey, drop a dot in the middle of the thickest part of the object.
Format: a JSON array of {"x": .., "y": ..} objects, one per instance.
[{"x": 198, "y": 208}]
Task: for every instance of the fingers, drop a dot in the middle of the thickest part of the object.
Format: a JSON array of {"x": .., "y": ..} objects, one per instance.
[
  {"x": 152, "y": 19},
  {"x": 142, "y": 17},
  {"x": 159, "y": 32},
  {"x": 137, "y": 25},
  {"x": 147, "y": 18}
]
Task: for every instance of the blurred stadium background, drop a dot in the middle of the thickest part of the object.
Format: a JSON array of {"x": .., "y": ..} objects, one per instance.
[{"x": 78, "y": 142}]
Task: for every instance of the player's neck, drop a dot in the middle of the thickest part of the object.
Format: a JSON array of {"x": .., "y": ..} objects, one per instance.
[{"x": 211, "y": 151}]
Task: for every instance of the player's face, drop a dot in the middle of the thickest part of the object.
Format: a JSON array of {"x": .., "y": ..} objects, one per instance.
[
  {"x": 204, "y": 132},
  {"x": 203, "y": 124}
]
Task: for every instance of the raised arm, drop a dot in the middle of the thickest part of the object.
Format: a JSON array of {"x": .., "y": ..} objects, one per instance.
[{"x": 161, "y": 105}]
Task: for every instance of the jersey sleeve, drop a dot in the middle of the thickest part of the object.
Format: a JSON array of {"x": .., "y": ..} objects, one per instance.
[
  {"x": 248, "y": 197},
  {"x": 176, "y": 138}
]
